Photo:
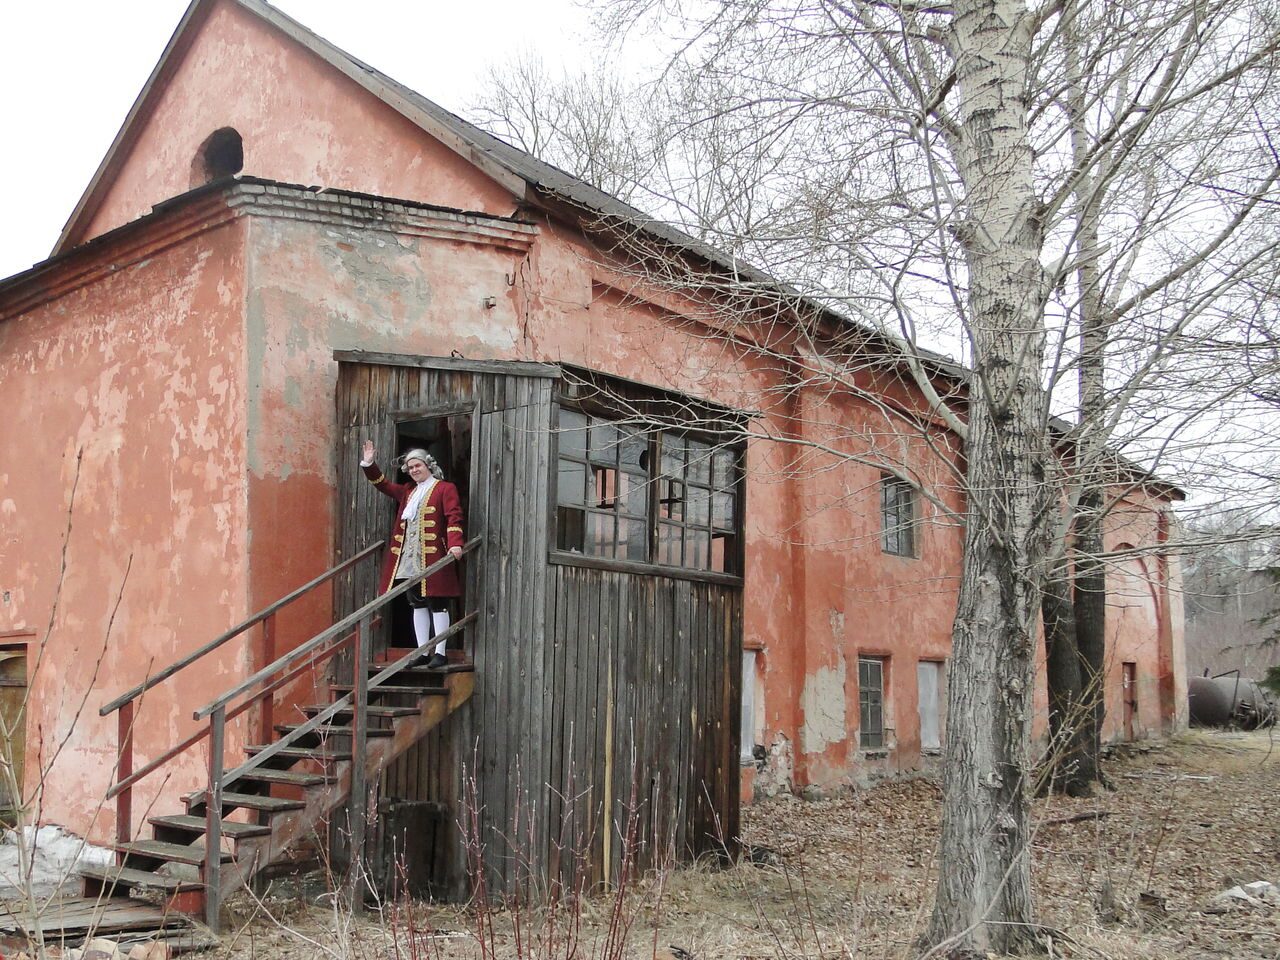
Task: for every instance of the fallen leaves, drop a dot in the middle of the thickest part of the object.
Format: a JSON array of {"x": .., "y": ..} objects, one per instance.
[{"x": 1129, "y": 874}]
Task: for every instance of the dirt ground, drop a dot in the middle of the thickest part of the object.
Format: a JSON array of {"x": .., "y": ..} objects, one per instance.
[{"x": 1130, "y": 878}]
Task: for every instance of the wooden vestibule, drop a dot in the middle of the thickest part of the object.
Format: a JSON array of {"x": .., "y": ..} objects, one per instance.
[{"x": 604, "y": 723}]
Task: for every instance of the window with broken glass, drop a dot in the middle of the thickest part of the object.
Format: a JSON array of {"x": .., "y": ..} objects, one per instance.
[{"x": 660, "y": 497}]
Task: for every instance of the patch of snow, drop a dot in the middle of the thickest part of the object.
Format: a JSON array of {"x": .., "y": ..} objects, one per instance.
[{"x": 51, "y": 858}]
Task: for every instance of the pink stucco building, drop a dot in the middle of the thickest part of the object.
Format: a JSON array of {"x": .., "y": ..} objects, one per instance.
[{"x": 279, "y": 251}]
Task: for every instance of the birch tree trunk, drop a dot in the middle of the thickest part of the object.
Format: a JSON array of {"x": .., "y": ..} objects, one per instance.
[{"x": 984, "y": 893}]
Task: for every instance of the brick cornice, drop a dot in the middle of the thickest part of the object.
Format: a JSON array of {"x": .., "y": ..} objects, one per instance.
[
  {"x": 363, "y": 212},
  {"x": 178, "y": 220}
]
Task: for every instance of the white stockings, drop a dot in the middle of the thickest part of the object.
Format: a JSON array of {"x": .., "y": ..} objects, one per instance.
[
  {"x": 428, "y": 624},
  {"x": 422, "y": 625},
  {"x": 440, "y": 620}
]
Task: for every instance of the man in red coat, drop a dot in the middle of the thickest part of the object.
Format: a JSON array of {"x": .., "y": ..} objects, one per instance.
[{"x": 428, "y": 526}]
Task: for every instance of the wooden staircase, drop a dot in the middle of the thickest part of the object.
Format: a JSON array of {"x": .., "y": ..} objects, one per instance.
[{"x": 300, "y": 772}]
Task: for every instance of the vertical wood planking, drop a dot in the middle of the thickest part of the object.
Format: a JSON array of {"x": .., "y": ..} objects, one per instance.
[
  {"x": 571, "y": 732},
  {"x": 565, "y": 656},
  {"x": 732, "y": 641},
  {"x": 588, "y": 709},
  {"x": 506, "y": 730},
  {"x": 713, "y": 721},
  {"x": 538, "y": 425},
  {"x": 523, "y": 513},
  {"x": 488, "y": 661},
  {"x": 551, "y": 653},
  {"x": 625, "y": 714}
]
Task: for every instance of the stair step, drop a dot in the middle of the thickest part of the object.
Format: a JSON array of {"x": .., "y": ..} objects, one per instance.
[
  {"x": 328, "y": 755},
  {"x": 288, "y": 778},
  {"x": 374, "y": 711},
  {"x": 234, "y": 829},
  {"x": 397, "y": 690},
  {"x": 329, "y": 730},
  {"x": 161, "y": 850},
  {"x": 108, "y": 874},
  {"x": 422, "y": 670},
  {"x": 249, "y": 801}
]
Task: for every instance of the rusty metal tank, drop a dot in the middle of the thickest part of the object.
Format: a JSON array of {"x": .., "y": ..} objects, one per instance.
[
  {"x": 1209, "y": 705},
  {"x": 1230, "y": 701}
]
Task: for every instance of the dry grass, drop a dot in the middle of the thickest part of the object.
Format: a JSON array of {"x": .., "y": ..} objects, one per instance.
[{"x": 851, "y": 877}]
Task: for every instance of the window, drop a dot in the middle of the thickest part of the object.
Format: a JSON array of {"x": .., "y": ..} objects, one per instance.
[
  {"x": 612, "y": 503},
  {"x": 897, "y": 516},
  {"x": 747, "y": 736},
  {"x": 871, "y": 702},
  {"x": 601, "y": 488},
  {"x": 697, "y": 506},
  {"x": 929, "y": 686}
]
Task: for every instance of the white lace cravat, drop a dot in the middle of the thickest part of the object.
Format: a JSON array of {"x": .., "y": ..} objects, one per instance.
[{"x": 415, "y": 500}]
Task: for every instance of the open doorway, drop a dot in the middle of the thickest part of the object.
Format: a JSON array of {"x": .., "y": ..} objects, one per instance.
[{"x": 446, "y": 437}]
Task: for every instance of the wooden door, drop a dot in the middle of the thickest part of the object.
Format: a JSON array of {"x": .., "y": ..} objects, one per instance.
[
  {"x": 497, "y": 416},
  {"x": 1129, "y": 688}
]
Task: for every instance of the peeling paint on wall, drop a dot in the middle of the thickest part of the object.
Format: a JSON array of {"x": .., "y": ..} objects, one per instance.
[
  {"x": 822, "y": 703},
  {"x": 775, "y": 774},
  {"x": 836, "y": 618}
]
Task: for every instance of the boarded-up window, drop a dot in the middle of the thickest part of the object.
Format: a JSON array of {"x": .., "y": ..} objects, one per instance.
[
  {"x": 929, "y": 684},
  {"x": 871, "y": 702},
  {"x": 897, "y": 516}
]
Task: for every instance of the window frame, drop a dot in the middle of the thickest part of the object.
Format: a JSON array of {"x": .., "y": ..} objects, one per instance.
[
  {"x": 592, "y": 500},
  {"x": 655, "y": 478},
  {"x": 899, "y": 538},
  {"x": 882, "y": 663}
]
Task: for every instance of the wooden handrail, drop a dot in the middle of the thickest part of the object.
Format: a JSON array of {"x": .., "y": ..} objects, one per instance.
[
  {"x": 339, "y": 628},
  {"x": 337, "y": 706},
  {"x": 126, "y": 782},
  {"x": 234, "y": 632},
  {"x": 314, "y": 651}
]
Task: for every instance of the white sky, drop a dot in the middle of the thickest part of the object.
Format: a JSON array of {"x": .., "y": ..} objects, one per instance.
[{"x": 70, "y": 70}]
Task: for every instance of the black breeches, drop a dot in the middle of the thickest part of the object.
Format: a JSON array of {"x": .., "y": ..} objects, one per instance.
[{"x": 434, "y": 604}]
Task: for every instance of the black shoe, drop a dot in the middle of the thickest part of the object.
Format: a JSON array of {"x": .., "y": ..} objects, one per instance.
[{"x": 437, "y": 660}]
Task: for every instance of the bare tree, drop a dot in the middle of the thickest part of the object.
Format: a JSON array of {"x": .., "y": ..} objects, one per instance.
[
  {"x": 1080, "y": 197},
  {"x": 1232, "y": 593}
]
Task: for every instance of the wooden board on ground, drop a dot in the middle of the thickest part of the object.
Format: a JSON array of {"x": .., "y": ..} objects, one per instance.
[{"x": 71, "y": 921}]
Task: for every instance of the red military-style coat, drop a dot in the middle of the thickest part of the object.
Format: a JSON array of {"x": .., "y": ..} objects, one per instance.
[{"x": 440, "y": 521}]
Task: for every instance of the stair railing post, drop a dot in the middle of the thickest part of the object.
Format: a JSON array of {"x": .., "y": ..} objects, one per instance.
[
  {"x": 359, "y": 788},
  {"x": 124, "y": 770},
  {"x": 266, "y": 709},
  {"x": 212, "y": 868}
]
